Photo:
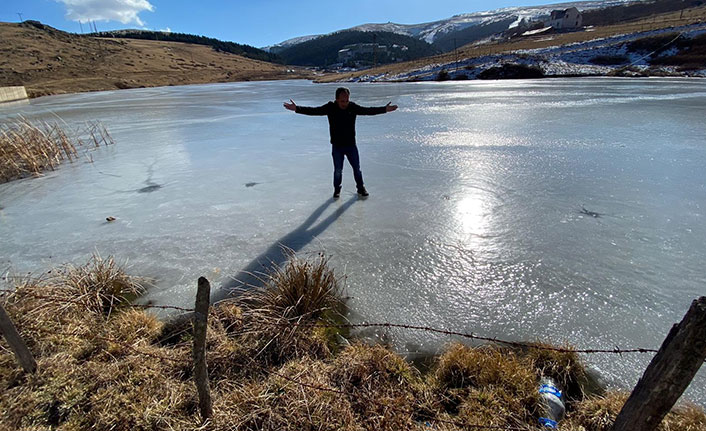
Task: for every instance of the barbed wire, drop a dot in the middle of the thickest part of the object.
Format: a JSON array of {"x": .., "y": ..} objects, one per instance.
[
  {"x": 472, "y": 336},
  {"x": 616, "y": 349}
]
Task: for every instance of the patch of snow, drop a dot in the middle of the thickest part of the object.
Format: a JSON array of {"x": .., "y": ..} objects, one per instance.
[
  {"x": 290, "y": 42},
  {"x": 538, "y": 31}
]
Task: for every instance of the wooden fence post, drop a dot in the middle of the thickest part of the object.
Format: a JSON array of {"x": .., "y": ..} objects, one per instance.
[
  {"x": 22, "y": 353},
  {"x": 200, "y": 323},
  {"x": 670, "y": 372}
]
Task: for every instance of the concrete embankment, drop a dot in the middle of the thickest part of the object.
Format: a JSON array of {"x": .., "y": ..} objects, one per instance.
[{"x": 11, "y": 94}]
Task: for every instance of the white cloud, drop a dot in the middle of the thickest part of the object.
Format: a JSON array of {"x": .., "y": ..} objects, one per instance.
[
  {"x": 125, "y": 11},
  {"x": 166, "y": 30}
]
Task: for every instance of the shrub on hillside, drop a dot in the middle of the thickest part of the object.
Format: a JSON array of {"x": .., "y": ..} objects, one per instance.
[
  {"x": 654, "y": 44},
  {"x": 512, "y": 71},
  {"x": 691, "y": 54},
  {"x": 609, "y": 60}
]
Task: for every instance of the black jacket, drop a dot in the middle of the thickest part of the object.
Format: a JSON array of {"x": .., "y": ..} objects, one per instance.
[{"x": 341, "y": 122}]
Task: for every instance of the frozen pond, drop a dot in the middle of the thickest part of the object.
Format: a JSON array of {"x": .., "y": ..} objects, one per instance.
[{"x": 474, "y": 222}]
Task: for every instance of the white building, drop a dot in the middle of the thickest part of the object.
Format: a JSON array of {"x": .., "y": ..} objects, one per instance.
[{"x": 565, "y": 19}]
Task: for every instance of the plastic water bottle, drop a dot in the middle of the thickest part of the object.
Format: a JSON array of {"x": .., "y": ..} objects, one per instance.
[{"x": 552, "y": 402}]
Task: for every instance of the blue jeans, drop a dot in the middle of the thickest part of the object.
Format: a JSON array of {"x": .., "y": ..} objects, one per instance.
[{"x": 351, "y": 152}]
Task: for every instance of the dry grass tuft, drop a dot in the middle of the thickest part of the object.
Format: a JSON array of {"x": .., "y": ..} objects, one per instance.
[
  {"x": 300, "y": 292},
  {"x": 98, "y": 288},
  {"x": 134, "y": 327},
  {"x": 369, "y": 368},
  {"x": 46, "y": 397},
  {"x": 136, "y": 392},
  {"x": 380, "y": 386},
  {"x": 64, "y": 309},
  {"x": 685, "y": 418},
  {"x": 462, "y": 366},
  {"x": 598, "y": 414},
  {"x": 565, "y": 368},
  {"x": 493, "y": 406},
  {"x": 277, "y": 403},
  {"x": 69, "y": 317},
  {"x": 102, "y": 285},
  {"x": 487, "y": 385},
  {"x": 29, "y": 149}
]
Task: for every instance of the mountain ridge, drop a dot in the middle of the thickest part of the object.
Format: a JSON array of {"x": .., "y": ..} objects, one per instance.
[{"x": 430, "y": 31}]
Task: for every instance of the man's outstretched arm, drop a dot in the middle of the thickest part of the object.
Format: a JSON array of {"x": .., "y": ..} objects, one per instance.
[
  {"x": 319, "y": 110},
  {"x": 362, "y": 110}
]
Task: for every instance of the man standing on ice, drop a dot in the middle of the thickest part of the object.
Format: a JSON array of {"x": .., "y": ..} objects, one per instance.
[{"x": 341, "y": 121}]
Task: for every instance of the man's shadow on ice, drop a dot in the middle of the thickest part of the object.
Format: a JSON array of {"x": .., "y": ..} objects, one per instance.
[{"x": 252, "y": 275}]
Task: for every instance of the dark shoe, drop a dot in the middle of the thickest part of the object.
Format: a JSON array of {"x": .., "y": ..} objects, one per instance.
[
  {"x": 362, "y": 192},
  {"x": 336, "y": 192}
]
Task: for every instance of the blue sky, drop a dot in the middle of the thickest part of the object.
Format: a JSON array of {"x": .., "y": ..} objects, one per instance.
[{"x": 253, "y": 22}]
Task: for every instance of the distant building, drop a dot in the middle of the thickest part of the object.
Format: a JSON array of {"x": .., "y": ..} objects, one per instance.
[{"x": 565, "y": 19}]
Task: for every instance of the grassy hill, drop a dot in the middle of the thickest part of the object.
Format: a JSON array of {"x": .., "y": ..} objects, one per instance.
[{"x": 49, "y": 61}]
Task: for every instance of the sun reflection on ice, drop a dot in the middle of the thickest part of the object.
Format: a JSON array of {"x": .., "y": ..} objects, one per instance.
[{"x": 472, "y": 214}]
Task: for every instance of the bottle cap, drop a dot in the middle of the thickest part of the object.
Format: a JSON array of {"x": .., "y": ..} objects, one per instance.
[{"x": 548, "y": 423}]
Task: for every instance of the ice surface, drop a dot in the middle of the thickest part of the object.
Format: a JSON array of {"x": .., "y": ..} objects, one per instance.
[{"x": 474, "y": 221}]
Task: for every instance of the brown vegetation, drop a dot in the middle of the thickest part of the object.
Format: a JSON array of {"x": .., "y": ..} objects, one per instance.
[
  {"x": 599, "y": 413},
  {"x": 691, "y": 54},
  {"x": 49, "y": 61},
  {"x": 103, "y": 364},
  {"x": 29, "y": 149}
]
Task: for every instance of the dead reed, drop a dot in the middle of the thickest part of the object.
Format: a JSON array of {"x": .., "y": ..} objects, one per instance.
[
  {"x": 28, "y": 148},
  {"x": 60, "y": 310}
]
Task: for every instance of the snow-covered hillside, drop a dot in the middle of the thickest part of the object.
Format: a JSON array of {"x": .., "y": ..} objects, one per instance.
[
  {"x": 561, "y": 60},
  {"x": 431, "y": 31}
]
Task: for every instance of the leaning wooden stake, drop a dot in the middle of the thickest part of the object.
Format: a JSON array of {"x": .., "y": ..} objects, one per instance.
[
  {"x": 669, "y": 373},
  {"x": 200, "y": 322},
  {"x": 22, "y": 353}
]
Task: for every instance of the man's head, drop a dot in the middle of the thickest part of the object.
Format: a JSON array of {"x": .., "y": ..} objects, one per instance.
[{"x": 342, "y": 95}]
